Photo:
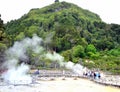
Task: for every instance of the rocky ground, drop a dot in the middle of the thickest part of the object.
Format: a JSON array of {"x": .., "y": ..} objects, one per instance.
[
  {"x": 64, "y": 81},
  {"x": 112, "y": 80}
]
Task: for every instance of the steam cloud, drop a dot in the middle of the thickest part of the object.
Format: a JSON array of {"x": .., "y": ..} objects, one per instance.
[
  {"x": 77, "y": 68},
  {"x": 17, "y": 74}
]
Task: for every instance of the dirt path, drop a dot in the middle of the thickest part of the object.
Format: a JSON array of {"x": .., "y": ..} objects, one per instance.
[{"x": 59, "y": 85}]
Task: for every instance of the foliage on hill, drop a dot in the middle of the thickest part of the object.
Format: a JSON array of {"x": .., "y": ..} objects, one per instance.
[
  {"x": 76, "y": 33},
  {"x": 3, "y": 41}
]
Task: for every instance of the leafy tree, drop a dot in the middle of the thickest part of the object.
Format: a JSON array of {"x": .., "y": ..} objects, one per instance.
[
  {"x": 20, "y": 36},
  {"x": 67, "y": 55},
  {"x": 3, "y": 47},
  {"x": 114, "y": 52},
  {"x": 91, "y": 48},
  {"x": 2, "y": 34},
  {"x": 31, "y": 30},
  {"x": 78, "y": 51}
]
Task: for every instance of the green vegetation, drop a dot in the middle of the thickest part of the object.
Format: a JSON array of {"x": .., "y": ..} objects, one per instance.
[
  {"x": 3, "y": 41},
  {"x": 76, "y": 34}
]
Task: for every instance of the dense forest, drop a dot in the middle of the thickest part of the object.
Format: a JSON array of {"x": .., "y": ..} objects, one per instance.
[{"x": 77, "y": 34}]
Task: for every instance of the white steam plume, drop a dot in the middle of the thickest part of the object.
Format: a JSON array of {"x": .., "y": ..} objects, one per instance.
[
  {"x": 76, "y": 68},
  {"x": 55, "y": 57},
  {"x": 18, "y": 74}
]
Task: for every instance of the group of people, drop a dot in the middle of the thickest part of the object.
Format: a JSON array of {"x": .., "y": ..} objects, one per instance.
[{"x": 92, "y": 74}]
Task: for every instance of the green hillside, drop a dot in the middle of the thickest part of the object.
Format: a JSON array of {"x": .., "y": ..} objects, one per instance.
[
  {"x": 76, "y": 33},
  {"x": 49, "y": 17}
]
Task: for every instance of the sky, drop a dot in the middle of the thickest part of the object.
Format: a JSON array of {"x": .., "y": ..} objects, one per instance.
[{"x": 108, "y": 10}]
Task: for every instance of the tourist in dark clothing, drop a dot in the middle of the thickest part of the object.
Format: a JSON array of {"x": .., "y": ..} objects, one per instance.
[{"x": 37, "y": 72}]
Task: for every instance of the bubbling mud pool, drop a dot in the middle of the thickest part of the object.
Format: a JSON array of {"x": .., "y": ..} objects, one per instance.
[{"x": 60, "y": 85}]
